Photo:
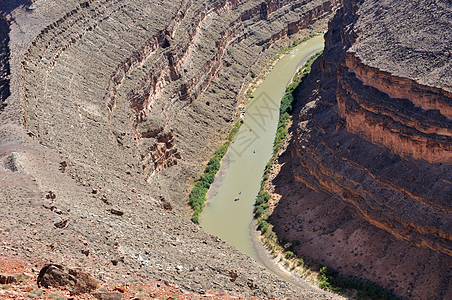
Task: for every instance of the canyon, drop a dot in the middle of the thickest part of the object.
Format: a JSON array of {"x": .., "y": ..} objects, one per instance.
[
  {"x": 367, "y": 175},
  {"x": 110, "y": 110}
]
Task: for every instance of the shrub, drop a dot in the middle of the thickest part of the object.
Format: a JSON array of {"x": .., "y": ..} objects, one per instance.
[
  {"x": 212, "y": 168},
  {"x": 323, "y": 278},
  {"x": 258, "y": 211},
  {"x": 262, "y": 197},
  {"x": 301, "y": 262},
  {"x": 331, "y": 280},
  {"x": 290, "y": 255},
  {"x": 198, "y": 194},
  {"x": 207, "y": 179},
  {"x": 262, "y": 226},
  {"x": 195, "y": 219}
]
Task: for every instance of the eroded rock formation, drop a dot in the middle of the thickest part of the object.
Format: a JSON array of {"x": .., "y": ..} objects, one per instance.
[
  {"x": 371, "y": 156},
  {"x": 175, "y": 57},
  {"x": 115, "y": 104}
]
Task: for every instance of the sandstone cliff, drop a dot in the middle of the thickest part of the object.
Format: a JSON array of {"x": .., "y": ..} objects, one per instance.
[
  {"x": 371, "y": 156},
  {"x": 114, "y": 108}
]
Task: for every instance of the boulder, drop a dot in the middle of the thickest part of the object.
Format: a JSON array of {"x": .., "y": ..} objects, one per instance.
[
  {"x": 7, "y": 279},
  {"x": 75, "y": 280}
]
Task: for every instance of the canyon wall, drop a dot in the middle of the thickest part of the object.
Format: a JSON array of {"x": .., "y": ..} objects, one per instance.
[
  {"x": 4, "y": 62},
  {"x": 371, "y": 155},
  {"x": 154, "y": 72},
  {"x": 115, "y": 108}
]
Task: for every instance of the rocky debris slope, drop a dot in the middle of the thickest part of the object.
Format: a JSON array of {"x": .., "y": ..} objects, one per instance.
[
  {"x": 370, "y": 160},
  {"x": 58, "y": 282},
  {"x": 114, "y": 108}
]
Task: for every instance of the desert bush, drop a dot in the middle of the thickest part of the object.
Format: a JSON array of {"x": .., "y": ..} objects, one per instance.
[
  {"x": 198, "y": 194},
  {"x": 331, "y": 280}
]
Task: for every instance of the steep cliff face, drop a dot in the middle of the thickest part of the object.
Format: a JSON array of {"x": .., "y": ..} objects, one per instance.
[
  {"x": 416, "y": 118},
  {"x": 114, "y": 108},
  {"x": 4, "y": 62},
  {"x": 145, "y": 81},
  {"x": 411, "y": 110},
  {"x": 371, "y": 156}
]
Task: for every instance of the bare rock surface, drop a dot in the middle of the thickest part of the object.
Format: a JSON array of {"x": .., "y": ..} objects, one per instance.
[
  {"x": 108, "y": 295},
  {"x": 366, "y": 184},
  {"x": 422, "y": 54}
]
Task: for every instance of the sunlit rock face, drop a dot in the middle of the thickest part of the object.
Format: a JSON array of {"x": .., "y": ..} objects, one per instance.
[
  {"x": 151, "y": 80},
  {"x": 371, "y": 156}
]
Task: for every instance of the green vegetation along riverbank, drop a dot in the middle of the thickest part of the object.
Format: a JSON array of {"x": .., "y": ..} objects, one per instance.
[
  {"x": 198, "y": 194},
  {"x": 261, "y": 210},
  {"x": 327, "y": 279}
]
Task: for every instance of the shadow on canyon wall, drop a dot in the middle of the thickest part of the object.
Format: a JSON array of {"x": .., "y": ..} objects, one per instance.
[
  {"x": 336, "y": 212},
  {"x": 7, "y": 6},
  {"x": 4, "y": 63}
]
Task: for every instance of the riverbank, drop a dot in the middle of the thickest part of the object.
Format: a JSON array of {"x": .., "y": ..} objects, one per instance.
[
  {"x": 282, "y": 250},
  {"x": 198, "y": 193},
  {"x": 202, "y": 185},
  {"x": 270, "y": 249},
  {"x": 229, "y": 211}
]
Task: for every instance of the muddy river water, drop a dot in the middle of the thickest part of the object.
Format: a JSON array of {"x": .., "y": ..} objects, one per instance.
[{"x": 229, "y": 211}]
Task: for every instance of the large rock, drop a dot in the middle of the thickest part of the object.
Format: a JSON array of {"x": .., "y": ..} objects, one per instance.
[
  {"x": 7, "y": 279},
  {"x": 75, "y": 280}
]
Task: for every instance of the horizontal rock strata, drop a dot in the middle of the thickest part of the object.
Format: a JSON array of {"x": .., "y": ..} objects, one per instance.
[
  {"x": 165, "y": 63},
  {"x": 374, "y": 141},
  {"x": 115, "y": 104}
]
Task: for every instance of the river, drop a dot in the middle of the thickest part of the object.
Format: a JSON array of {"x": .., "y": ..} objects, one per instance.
[{"x": 228, "y": 213}]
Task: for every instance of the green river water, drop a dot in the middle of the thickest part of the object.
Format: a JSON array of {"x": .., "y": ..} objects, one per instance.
[{"x": 243, "y": 165}]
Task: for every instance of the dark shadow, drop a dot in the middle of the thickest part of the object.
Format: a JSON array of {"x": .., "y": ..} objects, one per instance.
[
  {"x": 306, "y": 219},
  {"x": 7, "y": 6},
  {"x": 318, "y": 219},
  {"x": 4, "y": 63}
]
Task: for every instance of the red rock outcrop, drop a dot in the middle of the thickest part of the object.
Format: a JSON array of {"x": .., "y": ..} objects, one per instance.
[
  {"x": 371, "y": 156},
  {"x": 390, "y": 119}
]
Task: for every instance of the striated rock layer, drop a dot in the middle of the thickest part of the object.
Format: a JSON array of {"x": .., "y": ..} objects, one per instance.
[
  {"x": 115, "y": 107},
  {"x": 371, "y": 156},
  {"x": 107, "y": 66}
]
